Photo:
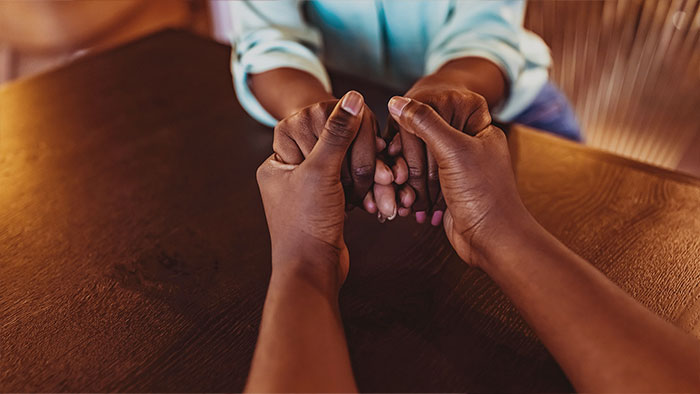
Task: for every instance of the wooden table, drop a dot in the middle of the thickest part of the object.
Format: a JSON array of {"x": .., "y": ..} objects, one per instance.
[{"x": 134, "y": 254}]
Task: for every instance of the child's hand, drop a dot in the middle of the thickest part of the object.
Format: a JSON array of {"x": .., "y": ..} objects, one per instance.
[
  {"x": 296, "y": 135},
  {"x": 465, "y": 111}
]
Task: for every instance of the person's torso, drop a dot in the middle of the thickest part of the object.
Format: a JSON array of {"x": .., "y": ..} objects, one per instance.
[{"x": 383, "y": 40}]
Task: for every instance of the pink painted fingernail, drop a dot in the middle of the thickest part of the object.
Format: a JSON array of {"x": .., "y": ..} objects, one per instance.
[
  {"x": 421, "y": 217},
  {"x": 437, "y": 218},
  {"x": 352, "y": 102},
  {"x": 397, "y": 104}
]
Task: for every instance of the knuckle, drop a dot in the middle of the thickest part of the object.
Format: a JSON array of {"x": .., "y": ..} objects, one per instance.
[
  {"x": 421, "y": 115},
  {"x": 281, "y": 128},
  {"x": 480, "y": 116},
  {"x": 337, "y": 130},
  {"x": 478, "y": 100},
  {"x": 415, "y": 173}
]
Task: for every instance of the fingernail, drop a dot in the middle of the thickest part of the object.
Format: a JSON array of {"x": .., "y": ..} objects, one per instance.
[
  {"x": 403, "y": 212},
  {"x": 437, "y": 218},
  {"x": 393, "y": 215},
  {"x": 352, "y": 102},
  {"x": 397, "y": 104},
  {"x": 421, "y": 217},
  {"x": 380, "y": 217}
]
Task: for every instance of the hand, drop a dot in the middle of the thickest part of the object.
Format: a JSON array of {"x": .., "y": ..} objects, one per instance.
[
  {"x": 476, "y": 177},
  {"x": 304, "y": 203},
  {"x": 296, "y": 135},
  {"x": 464, "y": 110}
]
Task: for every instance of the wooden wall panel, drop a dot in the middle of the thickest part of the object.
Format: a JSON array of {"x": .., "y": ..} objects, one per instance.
[{"x": 631, "y": 69}]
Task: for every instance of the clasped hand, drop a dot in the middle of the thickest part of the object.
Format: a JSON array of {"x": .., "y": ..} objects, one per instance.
[{"x": 305, "y": 193}]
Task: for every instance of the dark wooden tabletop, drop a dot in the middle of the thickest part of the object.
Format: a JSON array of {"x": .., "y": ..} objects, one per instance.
[{"x": 134, "y": 254}]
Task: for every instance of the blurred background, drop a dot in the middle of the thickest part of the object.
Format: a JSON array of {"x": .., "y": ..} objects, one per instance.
[{"x": 630, "y": 67}]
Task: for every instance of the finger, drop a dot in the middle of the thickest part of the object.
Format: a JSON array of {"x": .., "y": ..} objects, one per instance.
[
  {"x": 391, "y": 129},
  {"x": 368, "y": 202},
  {"x": 346, "y": 180},
  {"x": 448, "y": 224},
  {"x": 337, "y": 135},
  {"x": 380, "y": 144},
  {"x": 400, "y": 171},
  {"x": 287, "y": 149},
  {"x": 438, "y": 211},
  {"x": 433, "y": 179},
  {"x": 421, "y": 120},
  {"x": 414, "y": 153},
  {"x": 406, "y": 196},
  {"x": 305, "y": 140},
  {"x": 395, "y": 145},
  {"x": 362, "y": 157},
  {"x": 479, "y": 118},
  {"x": 440, "y": 204},
  {"x": 272, "y": 167},
  {"x": 385, "y": 196},
  {"x": 383, "y": 174}
]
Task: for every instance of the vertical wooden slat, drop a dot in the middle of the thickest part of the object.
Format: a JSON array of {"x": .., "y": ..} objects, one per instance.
[{"x": 631, "y": 68}]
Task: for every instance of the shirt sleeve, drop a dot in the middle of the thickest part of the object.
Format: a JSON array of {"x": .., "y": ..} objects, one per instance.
[
  {"x": 268, "y": 35},
  {"x": 493, "y": 30}
]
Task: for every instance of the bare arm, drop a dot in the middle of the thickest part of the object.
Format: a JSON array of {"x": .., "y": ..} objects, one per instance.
[
  {"x": 301, "y": 346},
  {"x": 473, "y": 74},
  {"x": 602, "y": 338},
  {"x": 284, "y": 91}
]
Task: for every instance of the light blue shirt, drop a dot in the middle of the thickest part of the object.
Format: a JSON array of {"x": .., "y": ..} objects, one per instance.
[{"x": 393, "y": 42}]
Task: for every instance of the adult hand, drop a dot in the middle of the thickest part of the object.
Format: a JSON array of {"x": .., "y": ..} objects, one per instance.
[
  {"x": 304, "y": 203},
  {"x": 296, "y": 135},
  {"x": 464, "y": 110},
  {"x": 476, "y": 177}
]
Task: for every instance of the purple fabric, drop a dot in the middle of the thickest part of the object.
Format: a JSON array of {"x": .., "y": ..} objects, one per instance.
[{"x": 551, "y": 112}]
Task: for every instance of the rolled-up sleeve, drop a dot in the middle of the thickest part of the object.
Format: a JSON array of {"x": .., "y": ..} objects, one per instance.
[
  {"x": 268, "y": 35},
  {"x": 493, "y": 30}
]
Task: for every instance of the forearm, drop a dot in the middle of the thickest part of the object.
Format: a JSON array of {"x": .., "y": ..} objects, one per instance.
[
  {"x": 284, "y": 91},
  {"x": 602, "y": 338},
  {"x": 476, "y": 74},
  {"x": 301, "y": 346}
]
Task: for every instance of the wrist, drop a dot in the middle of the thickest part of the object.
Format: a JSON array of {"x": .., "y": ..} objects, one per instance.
[
  {"x": 285, "y": 91},
  {"x": 500, "y": 239},
  {"x": 472, "y": 74},
  {"x": 318, "y": 266},
  {"x": 501, "y": 251},
  {"x": 304, "y": 100}
]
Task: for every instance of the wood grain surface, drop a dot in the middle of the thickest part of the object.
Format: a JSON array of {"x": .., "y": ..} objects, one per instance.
[{"x": 134, "y": 254}]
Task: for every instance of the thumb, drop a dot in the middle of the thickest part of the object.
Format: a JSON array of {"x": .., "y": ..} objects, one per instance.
[
  {"x": 421, "y": 120},
  {"x": 338, "y": 133}
]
